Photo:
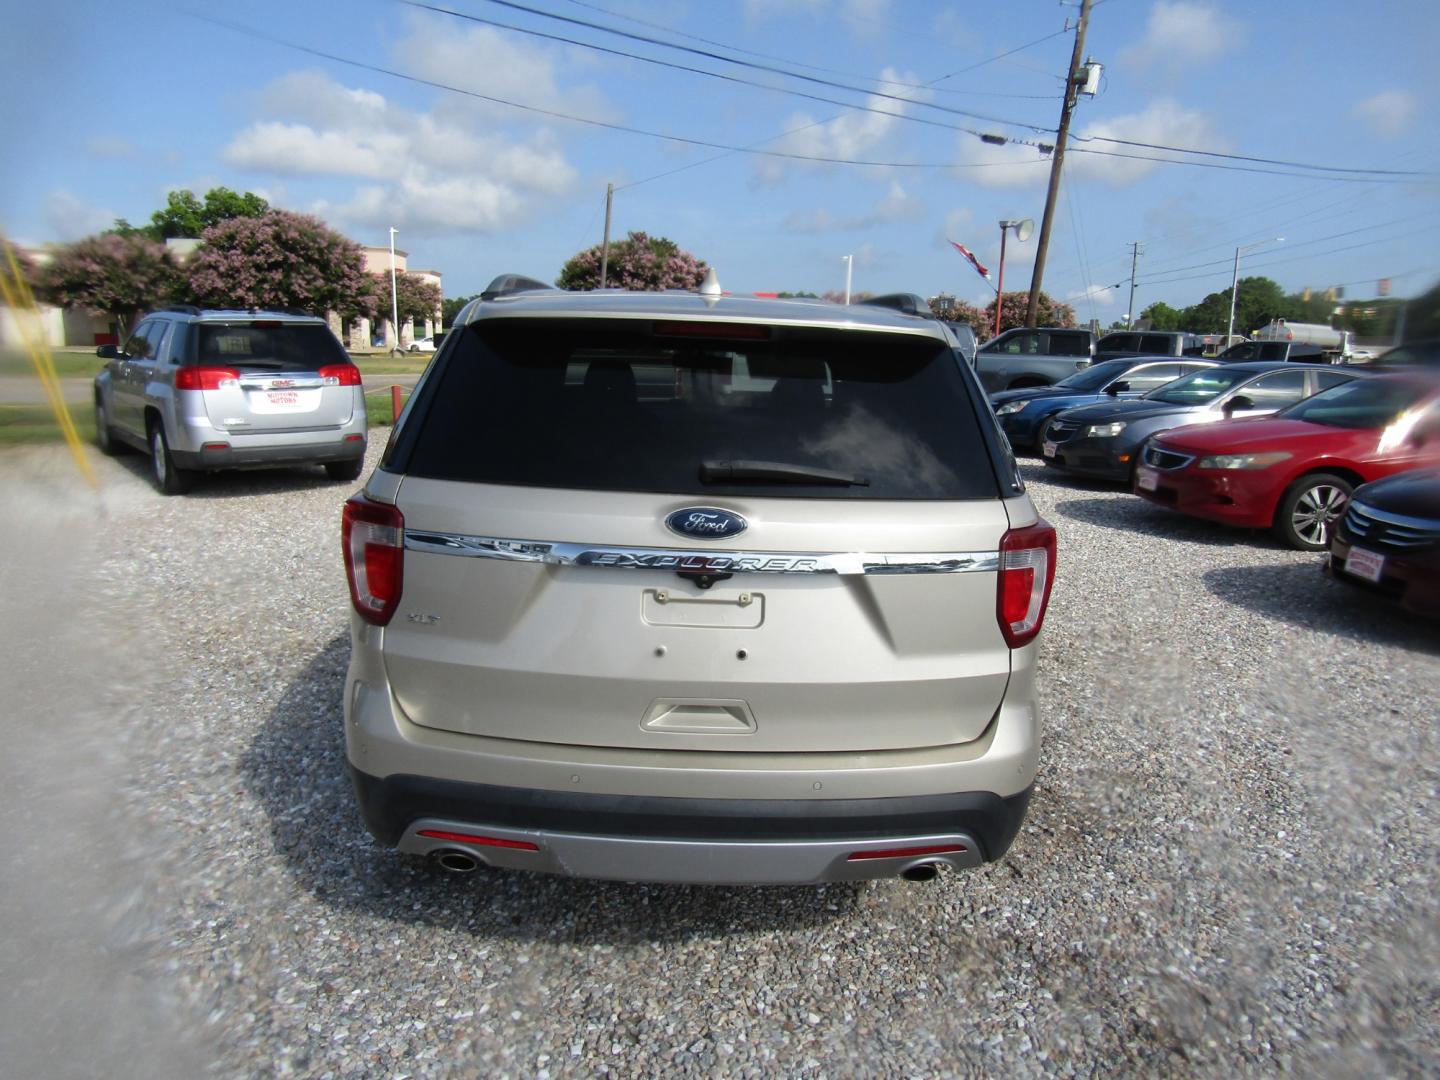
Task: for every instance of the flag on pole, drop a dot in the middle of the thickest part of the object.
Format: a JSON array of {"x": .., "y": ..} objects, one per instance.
[{"x": 973, "y": 260}]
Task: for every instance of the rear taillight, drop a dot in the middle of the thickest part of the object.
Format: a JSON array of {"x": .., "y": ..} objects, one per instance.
[
  {"x": 206, "y": 378},
  {"x": 340, "y": 375},
  {"x": 373, "y": 538},
  {"x": 1027, "y": 570}
]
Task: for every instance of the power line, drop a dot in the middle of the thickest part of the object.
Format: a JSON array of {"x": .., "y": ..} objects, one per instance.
[
  {"x": 707, "y": 54},
  {"x": 815, "y": 67},
  {"x": 513, "y": 5},
  {"x": 712, "y": 74},
  {"x": 1243, "y": 157},
  {"x": 1299, "y": 258},
  {"x": 1236, "y": 168},
  {"x": 589, "y": 121}
]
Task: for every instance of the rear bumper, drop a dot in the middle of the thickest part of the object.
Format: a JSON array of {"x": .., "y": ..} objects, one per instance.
[
  {"x": 239, "y": 456},
  {"x": 710, "y": 841}
]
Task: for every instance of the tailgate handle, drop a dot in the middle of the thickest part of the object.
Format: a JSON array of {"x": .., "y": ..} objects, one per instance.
[{"x": 696, "y": 716}]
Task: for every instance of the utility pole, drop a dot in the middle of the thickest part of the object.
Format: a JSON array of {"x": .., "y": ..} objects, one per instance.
[
  {"x": 1136, "y": 250},
  {"x": 849, "y": 266},
  {"x": 1072, "y": 90},
  {"x": 605, "y": 244}
]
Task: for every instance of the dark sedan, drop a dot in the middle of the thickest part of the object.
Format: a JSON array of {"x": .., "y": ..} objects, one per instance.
[
  {"x": 1024, "y": 413},
  {"x": 1104, "y": 441},
  {"x": 1389, "y": 540}
]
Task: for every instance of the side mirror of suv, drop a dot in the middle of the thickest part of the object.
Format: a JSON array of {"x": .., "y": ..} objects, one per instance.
[
  {"x": 108, "y": 352},
  {"x": 1237, "y": 403},
  {"x": 1119, "y": 386}
]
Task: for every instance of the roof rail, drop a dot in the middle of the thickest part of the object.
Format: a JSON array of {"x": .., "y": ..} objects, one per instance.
[
  {"x": 183, "y": 309},
  {"x": 909, "y": 303},
  {"x": 506, "y": 284}
]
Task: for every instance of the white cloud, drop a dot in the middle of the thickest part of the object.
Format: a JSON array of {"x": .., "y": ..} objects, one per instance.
[
  {"x": 1388, "y": 113},
  {"x": 895, "y": 205},
  {"x": 851, "y": 136},
  {"x": 1095, "y": 295},
  {"x": 71, "y": 217},
  {"x": 442, "y": 170},
  {"x": 1163, "y": 123},
  {"x": 1181, "y": 33}
]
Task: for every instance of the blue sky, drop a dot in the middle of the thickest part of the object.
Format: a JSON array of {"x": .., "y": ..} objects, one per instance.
[{"x": 118, "y": 103}]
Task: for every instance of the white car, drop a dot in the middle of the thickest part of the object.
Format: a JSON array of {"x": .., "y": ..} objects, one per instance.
[{"x": 424, "y": 344}]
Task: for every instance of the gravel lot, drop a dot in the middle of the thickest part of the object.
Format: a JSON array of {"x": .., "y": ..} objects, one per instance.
[{"x": 1229, "y": 865}]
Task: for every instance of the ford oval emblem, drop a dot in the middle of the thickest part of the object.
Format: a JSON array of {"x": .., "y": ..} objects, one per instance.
[{"x": 706, "y": 523}]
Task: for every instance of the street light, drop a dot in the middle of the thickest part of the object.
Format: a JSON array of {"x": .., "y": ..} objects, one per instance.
[
  {"x": 394, "y": 296},
  {"x": 849, "y": 266},
  {"x": 1235, "y": 281},
  {"x": 1023, "y": 229}
]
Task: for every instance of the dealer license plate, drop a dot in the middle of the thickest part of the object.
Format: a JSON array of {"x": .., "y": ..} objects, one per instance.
[
  {"x": 1048, "y": 449},
  {"x": 1147, "y": 479},
  {"x": 282, "y": 399},
  {"x": 1364, "y": 564}
]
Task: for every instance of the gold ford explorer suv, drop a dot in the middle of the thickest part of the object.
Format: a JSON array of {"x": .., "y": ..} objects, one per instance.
[{"x": 695, "y": 588}]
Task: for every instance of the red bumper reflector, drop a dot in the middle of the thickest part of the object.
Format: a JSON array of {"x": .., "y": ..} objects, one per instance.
[
  {"x": 215, "y": 446},
  {"x": 907, "y": 852},
  {"x": 483, "y": 841},
  {"x": 354, "y": 438}
]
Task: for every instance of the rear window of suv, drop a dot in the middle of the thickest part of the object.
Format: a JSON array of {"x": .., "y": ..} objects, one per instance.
[
  {"x": 269, "y": 345},
  {"x": 581, "y": 405}
]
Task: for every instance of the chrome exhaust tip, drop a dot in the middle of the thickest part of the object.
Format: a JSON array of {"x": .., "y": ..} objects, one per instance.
[
  {"x": 456, "y": 861},
  {"x": 923, "y": 871}
]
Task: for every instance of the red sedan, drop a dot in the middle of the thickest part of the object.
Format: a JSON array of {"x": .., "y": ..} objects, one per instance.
[{"x": 1294, "y": 472}]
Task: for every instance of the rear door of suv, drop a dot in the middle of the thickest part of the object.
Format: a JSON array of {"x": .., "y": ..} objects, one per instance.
[
  {"x": 272, "y": 376},
  {"x": 546, "y": 599}
]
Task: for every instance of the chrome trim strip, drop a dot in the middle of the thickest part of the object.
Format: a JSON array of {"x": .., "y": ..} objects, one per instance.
[
  {"x": 1428, "y": 525},
  {"x": 700, "y": 562}
]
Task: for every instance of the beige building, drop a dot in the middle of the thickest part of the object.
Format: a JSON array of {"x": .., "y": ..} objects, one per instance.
[{"x": 361, "y": 334}]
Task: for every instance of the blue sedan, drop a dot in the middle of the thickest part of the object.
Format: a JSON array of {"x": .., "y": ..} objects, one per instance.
[{"x": 1024, "y": 413}]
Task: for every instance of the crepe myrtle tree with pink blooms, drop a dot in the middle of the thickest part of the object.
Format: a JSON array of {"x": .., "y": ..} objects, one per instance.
[
  {"x": 281, "y": 261},
  {"x": 119, "y": 277},
  {"x": 640, "y": 262}
]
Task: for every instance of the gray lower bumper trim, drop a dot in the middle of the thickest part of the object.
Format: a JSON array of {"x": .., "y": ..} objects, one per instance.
[
  {"x": 700, "y": 562},
  {"x": 710, "y": 862}
]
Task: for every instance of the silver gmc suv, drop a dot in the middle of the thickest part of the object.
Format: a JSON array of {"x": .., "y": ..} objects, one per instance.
[
  {"x": 207, "y": 390},
  {"x": 695, "y": 588}
]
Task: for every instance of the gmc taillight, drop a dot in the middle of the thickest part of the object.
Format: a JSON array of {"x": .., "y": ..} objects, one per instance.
[
  {"x": 340, "y": 375},
  {"x": 1027, "y": 570},
  {"x": 205, "y": 378},
  {"x": 372, "y": 536}
]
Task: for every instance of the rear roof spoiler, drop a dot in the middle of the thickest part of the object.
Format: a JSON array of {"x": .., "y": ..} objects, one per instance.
[
  {"x": 907, "y": 303},
  {"x": 509, "y": 284}
]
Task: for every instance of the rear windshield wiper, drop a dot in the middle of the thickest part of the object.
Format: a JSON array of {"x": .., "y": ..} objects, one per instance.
[{"x": 776, "y": 472}]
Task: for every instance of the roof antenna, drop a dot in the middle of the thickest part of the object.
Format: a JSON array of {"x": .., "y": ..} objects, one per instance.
[{"x": 710, "y": 287}]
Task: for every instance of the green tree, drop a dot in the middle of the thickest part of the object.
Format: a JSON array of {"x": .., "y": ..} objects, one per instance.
[
  {"x": 450, "y": 307},
  {"x": 1259, "y": 300},
  {"x": 1162, "y": 316},
  {"x": 186, "y": 214},
  {"x": 640, "y": 262},
  {"x": 112, "y": 275}
]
